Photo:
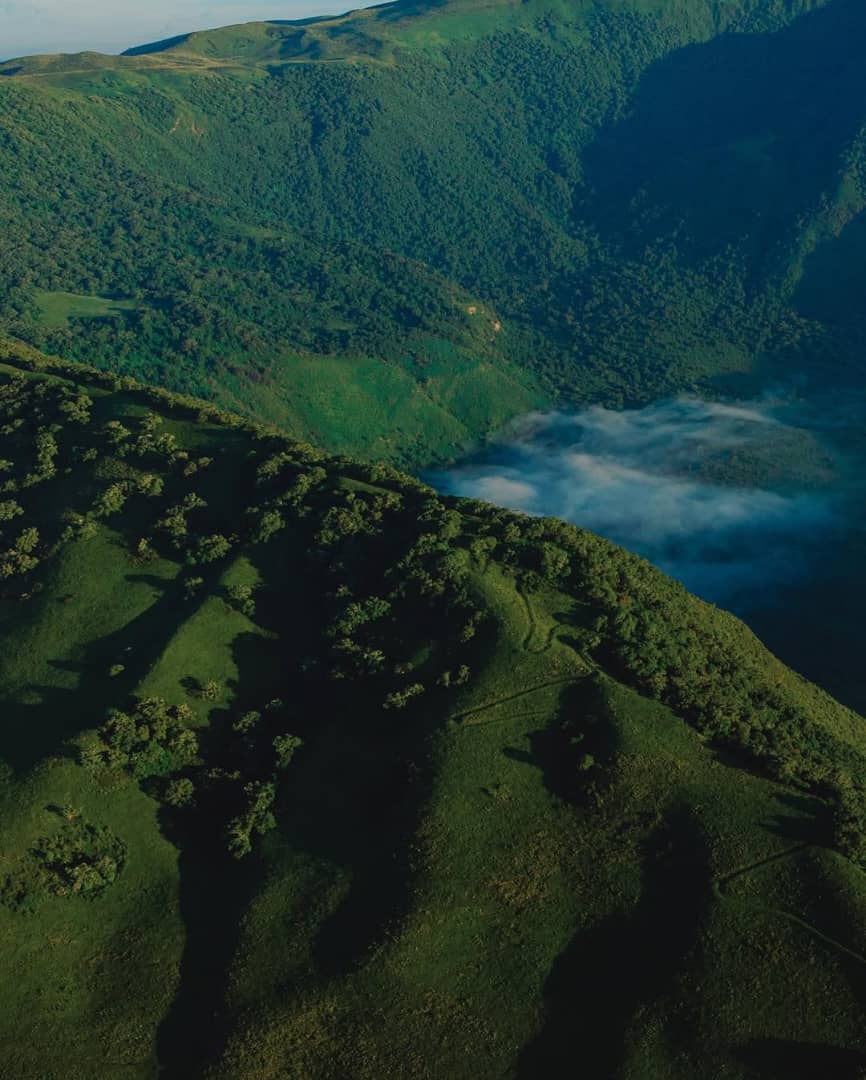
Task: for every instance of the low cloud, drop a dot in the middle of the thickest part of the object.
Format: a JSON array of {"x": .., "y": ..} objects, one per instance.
[{"x": 666, "y": 481}]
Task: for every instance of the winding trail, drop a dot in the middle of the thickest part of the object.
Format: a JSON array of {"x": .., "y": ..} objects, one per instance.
[
  {"x": 719, "y": 887},
  {"x": 463, "y": 718},
  {"x": 533, "y": 626}
]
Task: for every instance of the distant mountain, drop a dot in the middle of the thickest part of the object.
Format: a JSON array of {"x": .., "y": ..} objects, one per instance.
[
  {"x": 392, "y": 230},
  {"x": 307, "y": 771}
]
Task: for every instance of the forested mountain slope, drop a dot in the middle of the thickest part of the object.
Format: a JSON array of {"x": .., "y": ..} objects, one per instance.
[
  {"x": 311, "y": 772},
  {"x": 392, "y": 230}
]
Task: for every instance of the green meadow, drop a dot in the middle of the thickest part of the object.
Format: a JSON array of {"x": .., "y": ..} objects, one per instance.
[{"x": 309, "y": 771}]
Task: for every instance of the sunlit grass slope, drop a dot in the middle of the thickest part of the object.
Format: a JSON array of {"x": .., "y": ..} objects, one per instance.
[{"x": 394, "y": 785}]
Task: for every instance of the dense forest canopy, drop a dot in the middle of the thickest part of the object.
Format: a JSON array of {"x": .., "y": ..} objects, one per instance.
[{"x": 393, "y": 230}]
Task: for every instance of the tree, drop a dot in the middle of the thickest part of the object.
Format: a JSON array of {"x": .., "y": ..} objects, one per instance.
[
  {"x": 180, "y": 792},
  {"x": 285, "y": 747},
  {"x": 209, "y": 549},
  {"x": 9, "y": 509}
]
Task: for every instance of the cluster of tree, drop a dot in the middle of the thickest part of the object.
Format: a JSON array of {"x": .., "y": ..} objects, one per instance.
[
  {"x": 80, "y": 858},
  {"x": 53, "y": 477},
  {"x": 152, "y": 739},
  {"x": 230, "y": 781}
]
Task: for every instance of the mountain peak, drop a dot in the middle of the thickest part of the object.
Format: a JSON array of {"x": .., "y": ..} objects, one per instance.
[{"x": 364, "y": 31}]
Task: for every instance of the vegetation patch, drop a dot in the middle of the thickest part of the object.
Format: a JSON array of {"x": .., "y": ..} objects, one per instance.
[
  {"x": 57, "y": 309},
  {"x": 80, "y": 858},
  {"x": 356, "y": 778}
]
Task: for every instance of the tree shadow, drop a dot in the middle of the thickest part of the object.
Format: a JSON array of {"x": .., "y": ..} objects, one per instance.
[
  {"x": 215, "y": 891},
  {"x": 590, "y": 1001},
  {"x": 774, "y": 1058},
  {"x": 376, "y": 787},
  {"x": 631, "y": 959},
  {"x": 33, "y": 731},
  {"x": 810, "y": 826}
]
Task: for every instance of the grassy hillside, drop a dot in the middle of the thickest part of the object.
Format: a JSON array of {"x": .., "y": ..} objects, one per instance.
[
  {"x": 425, "y": 206},
  {"x": 309, "y": 771}
]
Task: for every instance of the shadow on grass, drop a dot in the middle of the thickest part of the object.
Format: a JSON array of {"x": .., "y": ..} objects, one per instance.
[
  {"x": 810, "y": 823},
  {"x": 631, "y": 959},
  {"x": 774, "y": 1058},
  {"x": 215, "y": 891},
  {"x": 627, "y": 962},
  {"x": 386, "y": 784},
  {"x": 33, "y": 731},
  {"x": 582, "y": 729}
]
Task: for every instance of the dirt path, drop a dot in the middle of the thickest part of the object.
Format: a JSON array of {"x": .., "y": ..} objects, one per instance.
[
  {"x": 720, "y": 884},
  {"x": 463, "y": 718},
  {"x": 532, "y": 632}
]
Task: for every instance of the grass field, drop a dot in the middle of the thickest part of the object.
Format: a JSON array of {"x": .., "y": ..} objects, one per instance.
[
  {"x": 483, "y": 912},
  {"x": 56, "y": 309},
  {"x": 535, "y": 868}
]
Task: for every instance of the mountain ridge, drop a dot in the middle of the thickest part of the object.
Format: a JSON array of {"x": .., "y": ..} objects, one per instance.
[
  {"x": 402, "y": 24},
  {"x": 307, "y": 770},
  {"x": 336, "y": 775}
]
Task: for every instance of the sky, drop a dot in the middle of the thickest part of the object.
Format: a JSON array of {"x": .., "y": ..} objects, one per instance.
[{"x": 50, "y": 26}]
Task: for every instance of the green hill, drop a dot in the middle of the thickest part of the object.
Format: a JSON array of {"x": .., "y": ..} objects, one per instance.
[
  {"x": 390, "y": 231},
  {"x": 311, "y": 772}
]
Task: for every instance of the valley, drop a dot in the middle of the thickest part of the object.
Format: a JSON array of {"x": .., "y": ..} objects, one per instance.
[
  {"x": 515, "y": 162},
  {"x": 431, "y": 545}
]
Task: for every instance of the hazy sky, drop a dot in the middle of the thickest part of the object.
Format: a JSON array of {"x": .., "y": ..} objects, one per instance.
[{"x": 49, "y": 26}]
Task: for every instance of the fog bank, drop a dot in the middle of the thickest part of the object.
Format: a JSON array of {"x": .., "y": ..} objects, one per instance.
[{"x": 730, "y": 499}]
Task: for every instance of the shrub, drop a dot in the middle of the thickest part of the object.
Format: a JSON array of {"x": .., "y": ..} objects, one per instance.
[
  {"x": 241, "y": 599},
  {"x": 151, "y": 740},
  {"x": 80, "y": 858},
  {"x": 285, "y": 747},
  {"x": 210, "y": 690},
  {"x": 10, "y": 509},
  {"x": 180, "y": 792},
  {"x": 399, "y": 699},
  {"x": 208, "y": 549}
]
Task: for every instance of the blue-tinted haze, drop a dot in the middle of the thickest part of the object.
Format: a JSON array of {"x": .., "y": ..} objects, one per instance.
[
  {"x": 51, "y": 26},
  {"x": 665, "y": 481}
]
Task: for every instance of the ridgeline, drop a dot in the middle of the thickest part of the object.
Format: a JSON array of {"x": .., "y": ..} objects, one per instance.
[{"x": 310, "y": 771}]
